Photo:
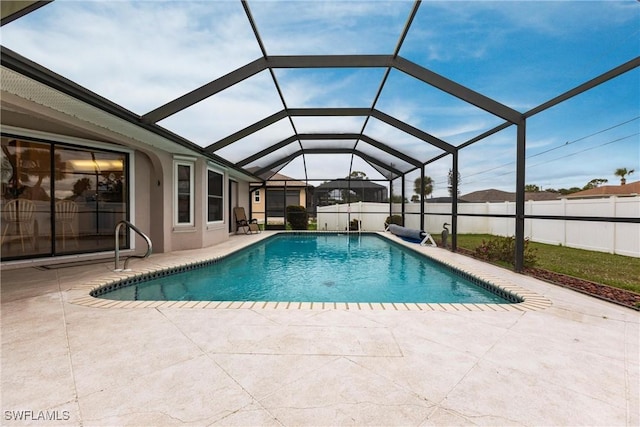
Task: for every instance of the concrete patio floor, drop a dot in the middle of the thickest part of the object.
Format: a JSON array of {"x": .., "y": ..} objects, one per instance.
[{"x": 575, "y": 362}]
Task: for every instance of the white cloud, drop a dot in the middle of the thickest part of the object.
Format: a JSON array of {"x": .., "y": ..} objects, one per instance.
[
  {"x": 334, "y": 27},
  {"x": 144, "y": 54},
  {"x": 120, "y": 49},
  {"x": 329, "y": 87},
  {"x": 328, "y": 166},
  {"x": 227, "y": 112}
]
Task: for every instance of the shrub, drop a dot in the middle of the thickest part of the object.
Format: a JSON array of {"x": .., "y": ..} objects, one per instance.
[
  {"x": 503, "y": 249},
  {"x": 393, "y": 219},
  {"x": 297, "y": 217}
]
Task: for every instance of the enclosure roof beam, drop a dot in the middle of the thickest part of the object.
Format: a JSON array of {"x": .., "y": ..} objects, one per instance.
[
  {"x": 485, "y": 135},
  {"x": 298, "y": 153},
  {"x": 379, "y": 145},
  {"x": 260, "y": 154},
  {"x": 255, "y": 67},
  {"x": 365, "y": 138},
  {"x": 291, "y": 139},
  {"x": 611, "y": 74},
  {"x": 386, "y": 61},
  {"x": 205, "y": 91},
  {"x": 278, "y": 162},
  {"x": 291, "y": 112},
  {"x": 37, "y": 72},
  {"x": 330, "y": 136},
  {"x": 14, "y": 9},
  {"x": 342, "y": 112},
  {"x": 331, "y": 61},
  {"x": 327, "y": 112},
  {"x": 457, "y": 90},
  {"x": 413, "y": 131},
  {"x": 358, "y": 153},
  {"x": 255, "y": 127}
]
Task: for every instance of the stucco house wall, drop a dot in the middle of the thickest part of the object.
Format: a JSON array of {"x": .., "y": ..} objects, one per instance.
[{"x": 33, "y": 110}]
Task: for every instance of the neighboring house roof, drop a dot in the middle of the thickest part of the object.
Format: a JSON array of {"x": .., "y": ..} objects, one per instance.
[
  {"x": 490, "y": 195},
  {"x": 630, "y": 189},
  {"x": 540, "y": 195},
  {"x": 496, "y": 196},
  {"x": 277, "y": 179},
  {"x": 344, "y": 184},
  {"x": 445, "y": 199}
]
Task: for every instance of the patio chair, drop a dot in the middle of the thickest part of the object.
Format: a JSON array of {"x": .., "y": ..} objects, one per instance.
[
  {"x": 66, "y": 211},
  {"x": 19, "y": 213},
  {"x": 249, "y": 226}
]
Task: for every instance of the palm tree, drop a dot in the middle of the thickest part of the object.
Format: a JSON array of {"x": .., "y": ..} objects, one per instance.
[
  {"x": 29, "y": 162},
  {"x": 595, "y": 183},
  {"x": 622, "y": 173},
  {"x": 423, "y": 188}
]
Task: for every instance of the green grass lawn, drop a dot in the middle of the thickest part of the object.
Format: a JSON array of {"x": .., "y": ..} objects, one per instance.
[{"x": 614, "y": 270}]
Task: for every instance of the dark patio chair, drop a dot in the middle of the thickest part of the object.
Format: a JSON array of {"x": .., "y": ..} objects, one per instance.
[{"x": 249, "y": 226}]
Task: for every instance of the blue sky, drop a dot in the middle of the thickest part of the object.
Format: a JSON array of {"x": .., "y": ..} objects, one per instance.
[{"x": 143, "y": 54}]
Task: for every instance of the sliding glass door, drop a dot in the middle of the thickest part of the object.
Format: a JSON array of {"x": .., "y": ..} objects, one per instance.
[
  {"x": 94, "y": 189},
  {"x": 60, "y": 199}
]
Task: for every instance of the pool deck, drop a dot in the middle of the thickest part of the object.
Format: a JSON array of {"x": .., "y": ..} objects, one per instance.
[{"x": 561, "y": 358}]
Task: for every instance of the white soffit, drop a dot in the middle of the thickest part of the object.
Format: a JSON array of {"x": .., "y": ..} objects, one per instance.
[{"x": 77, "y": 111}]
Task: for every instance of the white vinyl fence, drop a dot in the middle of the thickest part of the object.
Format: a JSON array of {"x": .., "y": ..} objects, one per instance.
[{"x": 618, "y": 238}]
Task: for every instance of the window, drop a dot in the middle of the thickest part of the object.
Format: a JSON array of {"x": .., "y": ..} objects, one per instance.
[
  {"x": 61, "y": 198},
  {"x": 183, "y": 201},
  {"x": 278, "y": 200},
  {"x": 215, "y": 196},
  {"x": 256, "y": 196}
]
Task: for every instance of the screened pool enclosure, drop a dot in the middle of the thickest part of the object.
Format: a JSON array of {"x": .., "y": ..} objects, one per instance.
[{"x": 315, "y": 99}]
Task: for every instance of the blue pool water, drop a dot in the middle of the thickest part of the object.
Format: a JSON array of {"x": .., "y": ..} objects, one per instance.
[{"x": 318, "y": 268}]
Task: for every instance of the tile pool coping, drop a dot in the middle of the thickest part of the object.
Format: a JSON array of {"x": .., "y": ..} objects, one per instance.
[{"x": 529, "y": 300}]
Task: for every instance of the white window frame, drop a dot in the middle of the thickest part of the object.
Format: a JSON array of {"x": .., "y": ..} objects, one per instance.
[
  {"x": 177, "y": 162},
  {"x": 256, "y": 196},
  {"x": 223, "y": 195}
]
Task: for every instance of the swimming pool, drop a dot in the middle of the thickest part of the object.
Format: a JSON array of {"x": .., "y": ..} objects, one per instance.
[{"x": 317, "y": 267}]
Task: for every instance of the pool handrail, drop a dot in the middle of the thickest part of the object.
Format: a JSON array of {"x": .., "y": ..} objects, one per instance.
[{"x": 117, "y": 244}]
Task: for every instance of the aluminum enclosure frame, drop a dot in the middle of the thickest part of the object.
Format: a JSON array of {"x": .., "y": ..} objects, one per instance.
[{"x": 511, "y": 117}]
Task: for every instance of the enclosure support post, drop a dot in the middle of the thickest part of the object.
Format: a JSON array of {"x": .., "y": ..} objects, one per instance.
[
  {"x": 422, "y": 198},
  {"x": 404, "y": 221},
  {"x": 390, "y": 197},
  {"x": 454, "y": 202},
  {"x": 348, "y": 204},
  {"x": 266, "y": 203},
  {"x": 284, "y": 199},
  {"x": 520, "y": 183}
]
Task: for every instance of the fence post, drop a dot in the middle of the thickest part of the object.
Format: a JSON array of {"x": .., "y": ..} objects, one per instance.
[
  {"x": 564, "y": 221},
  {"x": 528, "y": 224},
  {"x": 613, "y": 202}
]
